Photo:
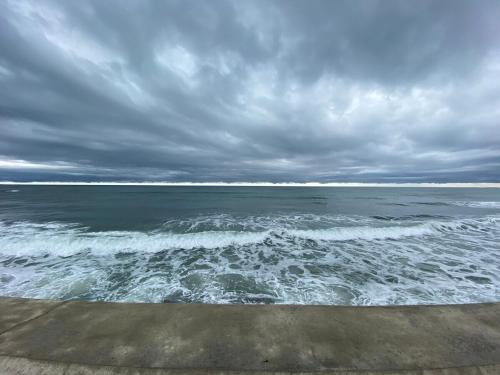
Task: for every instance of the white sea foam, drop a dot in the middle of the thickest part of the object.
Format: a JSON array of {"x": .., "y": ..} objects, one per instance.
[
  {"x": 302, "y": 259},
  {"x": 24, "y": 238},
  {"x": 263, "y": 184},
  {"x": 27, "y": 238},
  {"x": 365, "y": 233},
  {"x": 478, "y": 204},
  {"x": 65, "y": 240}
]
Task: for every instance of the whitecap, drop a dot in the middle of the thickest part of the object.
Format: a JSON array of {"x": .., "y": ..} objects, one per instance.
[
  {"x": 475, "y": 204},
  {"x": 364, "y": 233}
]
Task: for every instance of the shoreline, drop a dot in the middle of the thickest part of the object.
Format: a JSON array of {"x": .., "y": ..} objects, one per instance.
[{"x": 103, "y": 337}]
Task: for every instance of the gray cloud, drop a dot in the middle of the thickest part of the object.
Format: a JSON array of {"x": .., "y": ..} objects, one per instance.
[{"x": 250, "y": 91}]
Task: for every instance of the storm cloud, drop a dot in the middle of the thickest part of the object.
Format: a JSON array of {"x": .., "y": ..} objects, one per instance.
[{"x": 250, "y": 90}]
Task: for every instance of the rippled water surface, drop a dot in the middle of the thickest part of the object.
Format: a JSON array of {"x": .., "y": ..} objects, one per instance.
[{"x": 352, "y": 246}]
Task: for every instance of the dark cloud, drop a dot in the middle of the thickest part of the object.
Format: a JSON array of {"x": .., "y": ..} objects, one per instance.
[{"x": 250, "y": 91}]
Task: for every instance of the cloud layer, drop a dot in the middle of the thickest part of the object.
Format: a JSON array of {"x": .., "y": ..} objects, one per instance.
[{"x": 250, "y": 90}]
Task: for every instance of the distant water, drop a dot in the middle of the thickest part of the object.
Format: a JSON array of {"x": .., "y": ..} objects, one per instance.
[{"x": 349, "y": 246}]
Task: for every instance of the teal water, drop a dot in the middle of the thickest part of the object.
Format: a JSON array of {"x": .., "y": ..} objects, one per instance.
[{"x": 298, "y": 245}]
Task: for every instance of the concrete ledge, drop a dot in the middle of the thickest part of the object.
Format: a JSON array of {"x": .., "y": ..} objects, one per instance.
[{"x": 76, "y": 337}]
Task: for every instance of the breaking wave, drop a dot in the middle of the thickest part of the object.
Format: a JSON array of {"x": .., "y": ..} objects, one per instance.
[
  {"x": 25, "y": 238},
  {"x": 479, "y": 204},
  {"x": 302, "y": 259}
]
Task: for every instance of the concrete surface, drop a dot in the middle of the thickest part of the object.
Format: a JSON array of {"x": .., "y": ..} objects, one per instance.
[{"x": 51, "y": 337}]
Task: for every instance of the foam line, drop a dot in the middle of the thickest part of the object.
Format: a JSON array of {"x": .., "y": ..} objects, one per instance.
[{"x": 263, "y": 184}]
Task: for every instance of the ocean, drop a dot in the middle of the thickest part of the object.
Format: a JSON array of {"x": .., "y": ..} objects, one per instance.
[{"x": 224, "y": 244}]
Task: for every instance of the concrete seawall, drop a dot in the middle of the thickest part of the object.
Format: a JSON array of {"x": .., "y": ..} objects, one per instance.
[{"x": 72, "y": 337}]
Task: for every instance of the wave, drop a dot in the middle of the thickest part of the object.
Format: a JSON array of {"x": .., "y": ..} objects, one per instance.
[
  {"x": 365, "y": 233},
  {"x": 431, "y": 203},
  {"x": 32, "y": 239},
  {"x": 298, "y": 259},
  {"x": 66, "y": 241},
  {"x": 478, "y": 204}
]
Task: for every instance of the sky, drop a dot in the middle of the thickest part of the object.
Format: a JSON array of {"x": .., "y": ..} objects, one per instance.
[{"x": 271, "y": 90}]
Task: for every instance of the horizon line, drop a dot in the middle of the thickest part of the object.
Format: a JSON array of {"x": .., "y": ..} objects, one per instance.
[{"x": 261, "y": 184}]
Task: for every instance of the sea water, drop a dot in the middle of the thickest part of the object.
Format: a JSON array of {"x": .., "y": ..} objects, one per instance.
[{"x": 295, "y": 245}]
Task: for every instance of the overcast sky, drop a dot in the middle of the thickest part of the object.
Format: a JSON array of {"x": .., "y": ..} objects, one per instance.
[{"x": 250, "y": 90}]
